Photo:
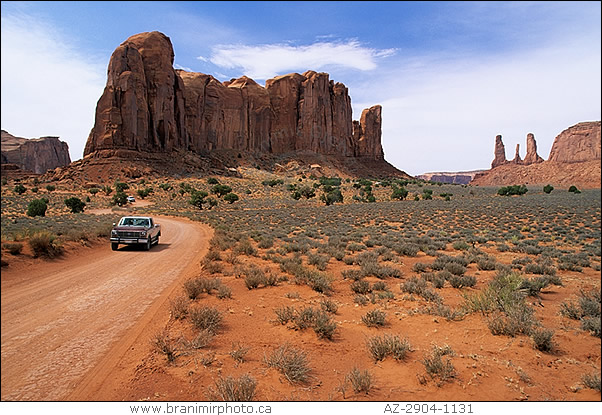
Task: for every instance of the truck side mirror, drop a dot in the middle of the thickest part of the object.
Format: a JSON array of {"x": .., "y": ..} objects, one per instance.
[{"x": 156, "y": 225}]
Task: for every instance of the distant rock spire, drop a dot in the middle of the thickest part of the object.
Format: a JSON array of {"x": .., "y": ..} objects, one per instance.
[
  {"x": 532, "y": 157},
  {"x": 500, "y": 152}
]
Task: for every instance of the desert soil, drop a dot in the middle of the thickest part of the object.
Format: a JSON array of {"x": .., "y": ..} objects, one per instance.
[{"x": 64, "y": 318}]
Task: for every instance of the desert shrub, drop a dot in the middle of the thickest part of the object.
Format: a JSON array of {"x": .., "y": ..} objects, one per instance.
[
  {"x": 455, "y": 268},
  {"x": 460, "y": 246},
  {"x": 284, "y": 314},
  {"x": 221, "y": 190},
  {"x": 200, "y": 340},
  {"x": 223, "y": 291},
  {"x": 231, "y": 197},
  {"x": 107, "y": 189},
  {"x": 212, "y": 180},
  {"x": 542, "y": 339},
  {"x": 14, "y": 248},
  {"x": 361, "y": 287},
  {"x": 272, "y": 182},
  {"x": 324, "y": 326},
  {"x": 231, "y": 389},
  {"x": 407, "y": 249},
  {"x": 512, "y": 190},
  {"x": 163, "y": 344},
  {"x": 19, "y": 189},
  {"x": 591, "y": 324},
  {"x": 437, "y": 280},
  {"x": 592, "y": 381},
  {"x": 361, "y": 381},
  {"x": 419, "y": 287},
  {"x": 486, "y": 263},
  {"x": 515, "y": 320},
  {"x": 120, "y": 186},
  {"x": 143, "y": 193},
  {"x": 75, "y": 204},
  {"x": 254, "y": 277},
  {"x": 420, "y": 267},
  {"x": 44, "y": 243},
  {"x": 206, "y": 318},
  {"x": 332, "y": 197},
  {"x": 573, "y": 189},
  {"x": 329, "y": 306},
  {"x": 196, "y": 286},
  {"x": 119, "y": 199},
  {"x": 380, "y": 347},
  {"x": 462, "y": 281},
  {"x": 352, "y": 274},
  {"x": 548, "y": 188},
  {"x": 360, "y": 299},
  {"x": 436, "y": 366},
  {"x": 245, "y": 247},
  {"x": 197, "y": 198},
  {"x": 290, "y": 362},
  {"x": 379, "y": 271},
  {"x": 239, "y": 352},
  {"x": 319, "y": 261},
  {"x": 179, "y": 308},
  {"x": 374, "y": 318},
  {"x": 399, "y": 193},
  {"x": 51, "y": 188},
  {"x": 37, "y": 207}
]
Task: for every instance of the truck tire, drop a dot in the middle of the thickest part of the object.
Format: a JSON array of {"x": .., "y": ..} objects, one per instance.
[
  {"x": 157, "y": 240},
  {"x": 148, "y": 244},
  {"x": 114, "y": 246}
]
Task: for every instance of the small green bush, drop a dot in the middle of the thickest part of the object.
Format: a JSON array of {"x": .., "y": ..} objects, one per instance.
[
  {"x": 548, "y": 189},
  {"x": 19, "y": 189},
  {"x": 37, "y": 207},
  {"x": 573, "y": 189},
  {"x": 75, "y": 204},
  {"x": 231, "y": 198}
]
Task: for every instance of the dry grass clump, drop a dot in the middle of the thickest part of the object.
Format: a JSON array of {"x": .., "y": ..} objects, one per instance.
[
  {"x": 380, "y": 347},
  {"x": 163, "y": 344},
  {"x": 437, "y": 367},
  {"x": 232, "y": 389},
  {"x": 206, "y": 318},
  {"x": 291, "y": 362},
  {"x": 374, "y": 318},
  {"x": 45, "y": 244},
  {"x": 179, "y": 308},
  {"x": 361, "y": 380}
]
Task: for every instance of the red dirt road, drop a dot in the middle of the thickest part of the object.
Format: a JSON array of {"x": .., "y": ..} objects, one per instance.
[{"x": 61, "y": 317}]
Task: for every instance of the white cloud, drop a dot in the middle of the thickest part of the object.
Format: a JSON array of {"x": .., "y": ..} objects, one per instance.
[
  {"x": 267, "y": 61},
  {"x": 443, "y": 115},
  {"x": 47, "y": 87}
]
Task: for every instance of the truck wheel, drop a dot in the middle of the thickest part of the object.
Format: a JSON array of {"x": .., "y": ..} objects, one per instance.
[
  {"x": 114, "y": 246},
  {"x": 148, "y": 244},
  {"x": 157, "y": 240}
]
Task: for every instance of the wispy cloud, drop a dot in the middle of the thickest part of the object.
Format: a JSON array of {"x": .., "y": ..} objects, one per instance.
[
  {"x": 458, "y": 106},
  {"x": 269, "y": 60},
  {"x": 48, "y": 88}
]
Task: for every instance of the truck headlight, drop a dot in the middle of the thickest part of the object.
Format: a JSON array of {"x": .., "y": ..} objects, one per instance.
[
  {"x": 113, "y": 233},
  {"x": 143, "y": 233}
]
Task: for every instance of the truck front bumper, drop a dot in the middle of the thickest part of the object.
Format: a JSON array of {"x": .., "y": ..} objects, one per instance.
[{"x": 129, "y": 240}]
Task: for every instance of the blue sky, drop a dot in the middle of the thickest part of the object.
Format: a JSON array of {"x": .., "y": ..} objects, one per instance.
[{"x": 449, "y": 75}]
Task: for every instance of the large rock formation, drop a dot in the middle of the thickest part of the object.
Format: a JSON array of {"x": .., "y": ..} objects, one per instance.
[
  {"x": 499, "y": 152},
  {"x": 574, "y": 160},
  {"x": 580, "y": 142},
  {"x": 461, "y": 177},
  {"x": 34, "y": 155},
  {"x": 531, "y": 157},
  {"x": 149, "y": 106}
]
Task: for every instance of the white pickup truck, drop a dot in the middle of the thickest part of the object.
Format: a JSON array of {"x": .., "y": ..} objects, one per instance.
[{"x": 135, "y": 230}]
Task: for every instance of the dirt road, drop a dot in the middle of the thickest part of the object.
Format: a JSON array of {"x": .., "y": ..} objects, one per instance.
[{"x": 60, "y": 318}]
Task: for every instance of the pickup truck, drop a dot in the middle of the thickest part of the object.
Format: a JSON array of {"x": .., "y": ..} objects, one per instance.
[{"x": 135, "y": 230}]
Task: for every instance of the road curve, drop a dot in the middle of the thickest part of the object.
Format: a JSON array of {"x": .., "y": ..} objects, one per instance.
[{"x": 60, "y": 318}]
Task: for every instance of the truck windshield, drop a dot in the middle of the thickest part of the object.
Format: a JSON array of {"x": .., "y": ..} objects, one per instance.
[{"x": 135, "y": 222}]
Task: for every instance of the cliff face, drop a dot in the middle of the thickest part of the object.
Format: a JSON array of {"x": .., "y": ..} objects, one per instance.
[
  {"x": 34, "y": 155},
  {"x": 580, "y": 142},
  {"x": 149, "y": 106},
  {"x": 574, "y": 160}
]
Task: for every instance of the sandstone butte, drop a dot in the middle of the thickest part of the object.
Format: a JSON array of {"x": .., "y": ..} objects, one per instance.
[
  {"x": 148, "y": 106},
  {"x": 574, "y": 160},
  {"x": 20, "y": 155}
]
